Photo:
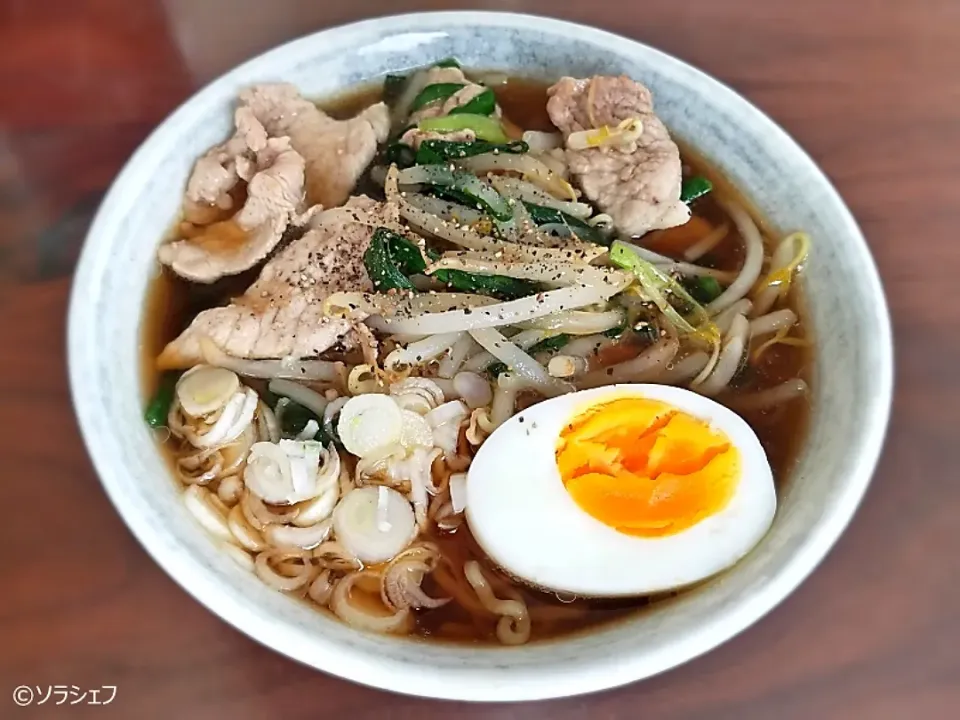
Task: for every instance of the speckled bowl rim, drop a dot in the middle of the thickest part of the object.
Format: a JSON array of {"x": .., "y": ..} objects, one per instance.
[{"x": 498, "y": 681}]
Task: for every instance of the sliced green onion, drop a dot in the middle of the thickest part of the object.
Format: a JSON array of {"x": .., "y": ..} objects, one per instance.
[
  {"x": 432, "y": 152},
  {"x": 549, "y": 216},
  {"x": 427, "y": 156},
  {"x": 615, "y": 332},
  {"x": 496, "y": 369},
  {"x": 485, "y": 128},
  {"x": 466, "y": 185},
  {"x": 446, "y": 193},
  {"x": 391, "y": 259},
  {"x": 433, "y": 93},
  {"x": 693, "y": 188},
  {"x": 393, "y": 255},
  {"x": 381, "y": 264},
  {"x": 550, "y": 344},
  {"x": 393, "y": 86},
  {"x": 294, "y": 419},
  {"x": 646, "y": 331},
  {"x": 662, "y": 290},
  {"x": 406, "y": 255},
  {"x": 450, "y": 62},
  {"x": 483, "y": 104},
  {"x": 400, "y": 154},
  {"x": 498, "y": 286},
  {"x": 159, "y": 406},
  {"x": 702, "y": 288},
  {"x": 484, "y": 194}
]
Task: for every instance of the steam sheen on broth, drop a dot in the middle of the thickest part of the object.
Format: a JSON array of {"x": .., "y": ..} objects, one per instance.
[{"x": 443, "y": 550}]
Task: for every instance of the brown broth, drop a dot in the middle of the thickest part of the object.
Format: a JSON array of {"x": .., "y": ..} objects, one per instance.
[{"x": 172, "y": 303}]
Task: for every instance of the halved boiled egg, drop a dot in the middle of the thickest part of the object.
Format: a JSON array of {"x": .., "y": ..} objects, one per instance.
[{"x": 620, "y": 490}]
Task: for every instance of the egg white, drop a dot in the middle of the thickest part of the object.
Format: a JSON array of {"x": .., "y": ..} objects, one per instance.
[{"x": 523, "y": 517}]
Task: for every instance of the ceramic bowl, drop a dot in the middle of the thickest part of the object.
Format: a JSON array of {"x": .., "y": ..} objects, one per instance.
[{"x": 851, "y": 388}]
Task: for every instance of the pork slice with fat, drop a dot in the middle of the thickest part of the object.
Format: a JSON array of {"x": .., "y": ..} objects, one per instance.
[
  {"x": 636, "y": 183},
  {"x": 274, "y": 198},
  {"x": 281, "y": 314},
  {"x": 336, "y": 151}
]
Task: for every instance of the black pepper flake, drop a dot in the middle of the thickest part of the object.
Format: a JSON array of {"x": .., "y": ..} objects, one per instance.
[{"x": 520, "y": 418}]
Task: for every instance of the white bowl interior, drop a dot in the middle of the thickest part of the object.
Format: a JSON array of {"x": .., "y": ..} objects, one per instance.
[{"x": 852, "y": 377}]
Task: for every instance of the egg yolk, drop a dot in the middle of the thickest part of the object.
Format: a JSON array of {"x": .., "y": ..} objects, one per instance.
[{"x": 646, "y": 468}]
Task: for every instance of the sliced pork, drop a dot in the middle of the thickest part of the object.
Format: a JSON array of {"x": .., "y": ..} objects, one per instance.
[
  {"x": 439, "y": 108},
  {"x": 281, "y": 314},
  {"x": 634, "y": 177},
  {"x": 274, "y": 199},
  {"x": 415, "y": 137},
  {"x": 336, "y": 151},
  {"x": 219, "y": 170}
]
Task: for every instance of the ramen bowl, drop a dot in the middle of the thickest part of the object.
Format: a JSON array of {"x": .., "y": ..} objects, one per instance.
[{"x": 851, "y": 385}]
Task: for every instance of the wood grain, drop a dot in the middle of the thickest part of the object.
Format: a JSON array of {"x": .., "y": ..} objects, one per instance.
[{"x": 871, "y": 89}]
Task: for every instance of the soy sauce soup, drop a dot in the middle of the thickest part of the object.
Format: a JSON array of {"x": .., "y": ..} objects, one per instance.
[{"x": 172, "y": 303}]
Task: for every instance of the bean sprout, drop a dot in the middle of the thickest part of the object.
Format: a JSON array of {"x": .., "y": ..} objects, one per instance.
[{"x": 752, "y": 263}]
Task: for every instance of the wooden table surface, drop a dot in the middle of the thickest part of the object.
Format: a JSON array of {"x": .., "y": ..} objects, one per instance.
[{"x": 871, "y": 89}]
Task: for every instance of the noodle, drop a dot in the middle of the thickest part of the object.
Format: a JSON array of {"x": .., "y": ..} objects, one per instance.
[
  {"x": 274, "y": 568},
  {"x": 343, "y": 606},
  {"x": 481, "y": 425},
  {"x": 245, "y": 534},
  {"x": 514, "y": 625},
  {"x": 321, "y": 589}
]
